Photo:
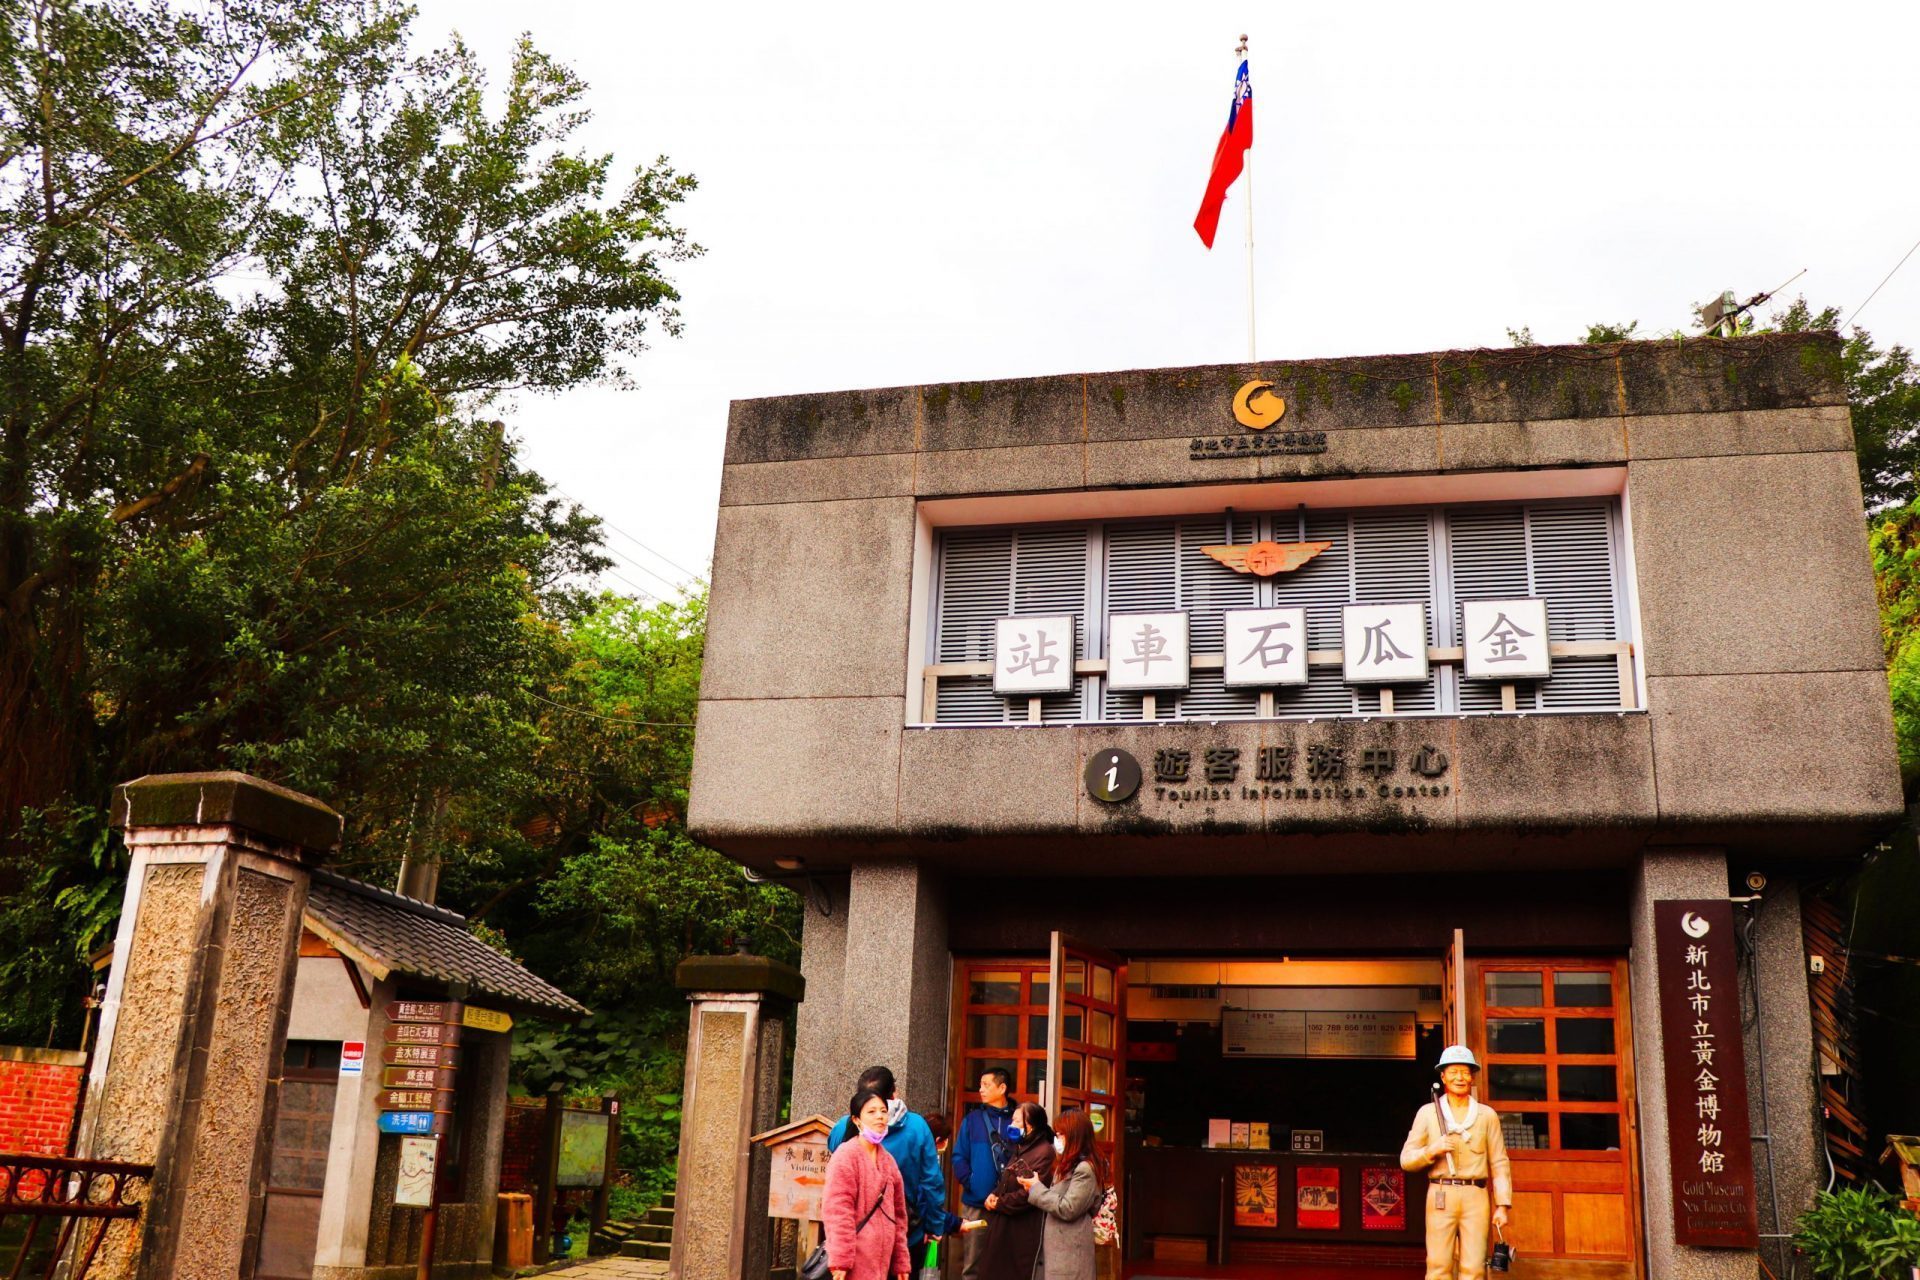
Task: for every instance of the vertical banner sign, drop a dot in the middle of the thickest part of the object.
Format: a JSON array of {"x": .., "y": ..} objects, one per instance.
[
  {"x": 1256, "y": 1195},
  {"x": 1383, "y": 1199},
  {"x": 1709, "y": 1147},
  {"x": 1316, "y": 1198}
]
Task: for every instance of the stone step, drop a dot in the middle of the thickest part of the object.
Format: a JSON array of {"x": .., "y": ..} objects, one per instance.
[
  {"x": 654, "y": 1232},
  {"x": 659, "y": 1218},
  {"x": 652, "y": 1249},
  {"x": 666, "y": 1201}
]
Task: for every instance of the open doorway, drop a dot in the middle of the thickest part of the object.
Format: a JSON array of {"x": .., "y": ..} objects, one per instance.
[{"x": 1262, "y": 1102}]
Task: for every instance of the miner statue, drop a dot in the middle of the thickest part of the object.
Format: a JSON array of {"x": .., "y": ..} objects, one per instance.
[{"x": 1457, "y": 1140}]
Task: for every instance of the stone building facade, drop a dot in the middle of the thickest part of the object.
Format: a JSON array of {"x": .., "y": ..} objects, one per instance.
[{"x": 1302, "y": 889}]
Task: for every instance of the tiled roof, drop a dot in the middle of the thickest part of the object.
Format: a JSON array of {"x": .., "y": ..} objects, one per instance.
[{"x": 404, "y": 935}]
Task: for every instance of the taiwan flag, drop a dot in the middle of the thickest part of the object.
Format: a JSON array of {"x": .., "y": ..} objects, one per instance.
[{"x": 1229, "y": 158}]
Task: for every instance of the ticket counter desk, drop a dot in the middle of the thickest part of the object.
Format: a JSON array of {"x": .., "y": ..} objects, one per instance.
[{"x": 1183, "y": 1206}]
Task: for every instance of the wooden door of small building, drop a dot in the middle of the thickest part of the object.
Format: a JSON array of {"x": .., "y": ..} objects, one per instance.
[
  {"x": 1555, "y": 1038},
  {"x": 297, "y": 1160}
]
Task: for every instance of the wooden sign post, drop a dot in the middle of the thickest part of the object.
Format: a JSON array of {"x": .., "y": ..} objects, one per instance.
[{"x": 799, "y": 1177}]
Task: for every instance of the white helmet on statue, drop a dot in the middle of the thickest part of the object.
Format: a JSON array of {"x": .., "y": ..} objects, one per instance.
[{"x": 1457, "y": 1055}]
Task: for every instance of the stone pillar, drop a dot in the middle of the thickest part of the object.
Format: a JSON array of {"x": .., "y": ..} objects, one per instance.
[
  {"x": 1665, "y": 874},
  {"x": 896, "y": 990},
  {"x": 736, "y": 1038},
  {"x": 1784, "y": 1027},
  {"x": 195, "y": 1016},
  {"x": 822, "y": 1080}
]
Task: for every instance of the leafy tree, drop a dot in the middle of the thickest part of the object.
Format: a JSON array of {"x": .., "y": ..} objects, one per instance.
[
  {"x": 262, "y": 274},
  {"x": 603, "y": 891},
  {"x": 1883, "y": 391}
]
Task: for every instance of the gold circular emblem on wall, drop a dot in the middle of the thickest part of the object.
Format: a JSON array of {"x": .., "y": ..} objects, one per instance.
[{"x": 1256, "y": 407}]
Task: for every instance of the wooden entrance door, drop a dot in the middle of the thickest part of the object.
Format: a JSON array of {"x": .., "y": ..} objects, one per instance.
[
  {"x": 1556, "y": 1040},
  {"x": 297, "y": 1165},
  {"x": 1086, "y": 1040}
]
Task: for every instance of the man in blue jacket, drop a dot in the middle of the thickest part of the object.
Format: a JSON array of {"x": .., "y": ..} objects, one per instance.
[
  {"x": 910, "y": 1143},
  {"x": 979, "y": 1154}
]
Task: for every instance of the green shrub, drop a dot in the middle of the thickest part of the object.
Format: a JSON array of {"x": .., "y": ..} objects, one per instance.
[{"x": 1859, "y": 1234}]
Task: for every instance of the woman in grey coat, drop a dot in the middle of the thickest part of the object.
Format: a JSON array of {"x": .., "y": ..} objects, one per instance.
[{"x": 1079, "y": 1180}]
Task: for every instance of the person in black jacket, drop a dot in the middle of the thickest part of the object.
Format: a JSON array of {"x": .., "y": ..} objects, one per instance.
[{"x": 1014, "y": 1227}]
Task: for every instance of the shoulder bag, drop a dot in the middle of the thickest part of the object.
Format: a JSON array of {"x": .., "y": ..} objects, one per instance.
[{"x": 816, "y": 1266}]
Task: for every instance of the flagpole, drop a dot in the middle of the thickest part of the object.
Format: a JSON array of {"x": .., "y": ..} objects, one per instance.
[{"x": 1242, "y": 51}]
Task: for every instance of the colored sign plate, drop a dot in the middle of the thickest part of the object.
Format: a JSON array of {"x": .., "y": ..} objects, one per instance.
[
  {"x": 420, "y": 1055},
  {"x": 416, "y": 1100},
  {"x": 416, "y": 1078},
  {"x": 413, "y": 1122},
  {"x": 486, "y": 1019},
  {"x": 423, "y": 1033}
]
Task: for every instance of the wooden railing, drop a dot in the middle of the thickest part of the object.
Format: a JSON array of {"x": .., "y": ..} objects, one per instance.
[
  {"x": 68, "y": 1193},
  {"x": 1620, "y": 650}
]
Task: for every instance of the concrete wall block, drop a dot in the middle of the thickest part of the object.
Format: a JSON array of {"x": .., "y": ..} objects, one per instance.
[
  {"x": 834, "y": 424},
  {"x": 1528, "y": 383},
  {"x": 811, "y": 600},
  {"x": 1376, "y": 391},
  {"x": 1554, "y": 442},
  {"x": 1774, "y": 371},
  {"x": 1011, "y": 411},
  {"x": 989, "y": 779},
  {"x": 1813, "y": 429},
  {"x": 1220, "y": 808},
  {"x": 778, "y": 766},
  {"x": 1022, "y": 469},
  {"x": 1554, "y": 773},
  {"x": 877, "y": 475},
  {"x": 1133, "y": 464},
  {"x": 1715, "y": 537},
  {"x": 1378, "y": 451},
  {"x": 1770, "y": 749}
]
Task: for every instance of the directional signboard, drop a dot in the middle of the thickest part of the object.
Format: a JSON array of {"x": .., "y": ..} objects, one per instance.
[
  {"x": 416, "y": 1100},
  {"x": 420, "y": 1055},
  {"x": 416, "y": 1078},
  {"x": 422, "y": 1011},
  {"x": 423, "y": 1033},
  {"x": 486, "y": 1019},
  {"x": 418, "y": 1122}
]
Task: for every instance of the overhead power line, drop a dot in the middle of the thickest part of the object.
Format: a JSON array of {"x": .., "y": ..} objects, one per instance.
[
  {"x": 1883, "y": 284},
  {"x": 669, "y": 561}
]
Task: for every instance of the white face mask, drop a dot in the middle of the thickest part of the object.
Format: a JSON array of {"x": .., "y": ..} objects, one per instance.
[{"x": 1060, "y": 1144}]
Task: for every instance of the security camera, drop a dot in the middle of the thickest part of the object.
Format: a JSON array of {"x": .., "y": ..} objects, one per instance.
[{"x": 1756, "y": 881}]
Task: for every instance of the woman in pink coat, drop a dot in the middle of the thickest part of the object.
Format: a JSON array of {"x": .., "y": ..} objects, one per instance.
[{"x": 865, "y": 1205}]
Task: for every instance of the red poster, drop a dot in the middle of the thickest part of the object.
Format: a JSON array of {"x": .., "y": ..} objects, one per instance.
[
  {"x": 1383, "y": 1199},
  {"x": 1316, "y": 1198}
]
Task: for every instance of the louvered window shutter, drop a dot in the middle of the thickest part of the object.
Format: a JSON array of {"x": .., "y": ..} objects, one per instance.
[
  {"x": 1566, "y": 552},
  {"x": 1393, "y": 561},
  {"x": 990, "y": 574},
  {"x": 1207, "y": 590},
  {"x": 1142, "y": 576},
  {"x": 1571, "y": 549},
  {"x": 1563, "y": 553},
  {"x": 1320, "y": 586},
  {"x": 1487, "y": 559}
]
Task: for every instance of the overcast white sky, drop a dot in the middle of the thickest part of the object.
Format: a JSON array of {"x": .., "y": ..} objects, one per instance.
[{"x": 908, "y": 193}]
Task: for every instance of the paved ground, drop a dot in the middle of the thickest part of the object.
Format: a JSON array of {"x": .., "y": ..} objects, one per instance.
[{"x": 613, "y": 1269}]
